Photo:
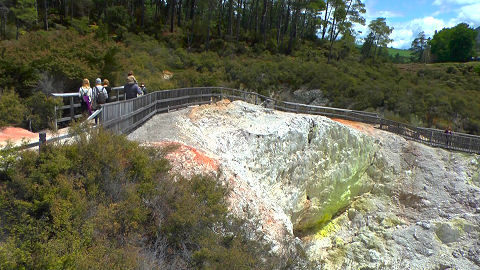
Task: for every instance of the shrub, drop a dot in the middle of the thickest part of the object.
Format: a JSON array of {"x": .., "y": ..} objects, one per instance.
[
  {"x": 12, "y": 111},
  {"x": 104, "y": 202},
  {"x": 476, "y": 69}
]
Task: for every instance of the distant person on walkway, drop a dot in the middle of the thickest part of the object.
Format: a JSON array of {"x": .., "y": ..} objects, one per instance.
[
  {"x": 448, "y": 135},
  {"x": 131, "y": 88},
  {"x": 106, "y": 85},
  {"x": 130, "y": 73},
  {"x": 143, "y": 88},
  {"x": 99, "y": 94},
  {"x": 85, "y": 94}
]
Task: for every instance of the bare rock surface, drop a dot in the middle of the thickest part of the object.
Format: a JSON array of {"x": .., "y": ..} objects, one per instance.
[{"x": 353, "y": 196}]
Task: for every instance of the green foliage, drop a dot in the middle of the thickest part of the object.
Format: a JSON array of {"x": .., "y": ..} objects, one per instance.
[
  {"x": 104, "y": 202},
  {"x": 420, "y": 48},
  {"x": 53, "y": 204},
  {"x": 477, "y": 69},
  {"x": 41, "y": 110},
  {"x": 12, "y": 111},
  {"x": 454, "y": 44},
  {"x": 64, "y": 58}
]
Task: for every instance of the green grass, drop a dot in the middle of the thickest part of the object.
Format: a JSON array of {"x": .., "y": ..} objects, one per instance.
[{"x": 401, "y": 52}]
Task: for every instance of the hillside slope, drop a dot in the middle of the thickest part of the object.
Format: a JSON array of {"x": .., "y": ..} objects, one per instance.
[{"x": 355, "y": 198}]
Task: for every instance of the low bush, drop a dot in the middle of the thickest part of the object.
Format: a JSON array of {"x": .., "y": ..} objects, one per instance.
[{"x": 104, "y": 202}]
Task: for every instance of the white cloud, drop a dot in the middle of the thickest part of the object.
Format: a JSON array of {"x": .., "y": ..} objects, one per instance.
[
  {"x": 467, "y": 11},
  {"x": 457, "y": 2},
  {"x": 387, "y": 14},
  {"x": 404, "y": 33},
  {"x": 470, "y": 14}
]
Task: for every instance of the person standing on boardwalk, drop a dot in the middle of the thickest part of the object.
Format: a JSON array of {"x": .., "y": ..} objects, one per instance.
[
  {"x": 106, "y": 85},
  {"x": 143, "y": 88},
  {"x": 448, "y": 135},
  {"x": 85, "y": 94},
  {"x": 99, "y": 94},
  {"x": 131, "y": 88},
  {"x": 130, "y": 73}
]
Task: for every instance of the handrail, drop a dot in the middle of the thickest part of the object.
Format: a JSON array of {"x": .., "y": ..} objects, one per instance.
[
  {"x": 65, "y": 94},
  {"x": 124, "y": 116},
  {"x": 93, "y": 115}
]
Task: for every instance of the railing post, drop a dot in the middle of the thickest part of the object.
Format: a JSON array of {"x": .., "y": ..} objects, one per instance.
[
  {"x": 431, "y": 136},
  {"x": 56, "y": 118},
  {"x": 72, "y": 110},
  {"x": 42, "y": 139}
]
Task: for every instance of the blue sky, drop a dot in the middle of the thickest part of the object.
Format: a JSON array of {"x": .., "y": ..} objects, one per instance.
[{"x": 409, "y": 17}]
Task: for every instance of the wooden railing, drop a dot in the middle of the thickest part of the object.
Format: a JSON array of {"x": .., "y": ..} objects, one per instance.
[
  {"x": 70, "y": 110},
  {"x": 125, "y": 116}
]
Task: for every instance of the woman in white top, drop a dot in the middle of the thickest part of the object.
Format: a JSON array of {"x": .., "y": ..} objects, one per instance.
[{"x": 85, "y": 94}]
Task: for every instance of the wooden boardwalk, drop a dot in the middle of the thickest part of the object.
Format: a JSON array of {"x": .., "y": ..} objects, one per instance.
[{"x": 124, "y": 116}]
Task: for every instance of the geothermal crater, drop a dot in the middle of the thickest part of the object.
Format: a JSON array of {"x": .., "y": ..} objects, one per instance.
[{"x": 353, "y": 196}]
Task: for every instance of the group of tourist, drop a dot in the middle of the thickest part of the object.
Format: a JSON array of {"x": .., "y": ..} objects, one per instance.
[{"x": 93, "y": 97}]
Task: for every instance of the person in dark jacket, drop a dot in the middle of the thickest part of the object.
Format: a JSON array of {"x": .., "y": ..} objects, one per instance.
[
  {"x": 106, "y": 85},
  {"x": 131, "y": 88}
]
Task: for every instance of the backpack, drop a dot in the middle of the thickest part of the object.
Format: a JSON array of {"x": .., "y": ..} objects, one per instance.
[{"x": 100, "y": 95}]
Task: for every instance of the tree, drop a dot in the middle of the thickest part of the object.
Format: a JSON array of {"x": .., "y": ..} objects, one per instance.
[
  {"x": 380, "y": 32},
  {"x": 462, "y": 43},
  {"x": 346, "y": 13},
  {"x": 25, "y": 13},
  {"x": 419, "y": 44},
  {"x": 454, "y": 44}
]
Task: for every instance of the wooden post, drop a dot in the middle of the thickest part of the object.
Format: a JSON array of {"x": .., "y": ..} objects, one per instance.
[
  {"x": 56, "y": 119},
  {"x": 42, "y": 139},
  {"x": 72, "y": 110}
]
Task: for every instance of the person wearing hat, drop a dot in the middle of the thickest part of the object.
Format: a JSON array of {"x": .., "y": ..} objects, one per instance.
[
  {"x": 131, "y": 88},
  {"x": 143, "y": 88},
  {"x": 100, "y": 94},
  {"x": 130, "y": 73}
]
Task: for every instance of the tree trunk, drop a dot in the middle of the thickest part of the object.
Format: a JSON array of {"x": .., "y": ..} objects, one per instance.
[
  {"x": 179, "y": 13},
  {"x": 256, "y": 16},
  {"x": 220, "y": 17},
  {"x": 238, "y": 19},
  {"x": 251, "y": 17},
  {"x": 325, "y": 20},
  {"x": 192, "y": 20},
  {"x": 172, "y": 15},
  {"x": 36, "y": 11},
  {"x": 230, "y": 19},
  {"x": 207, "y": 40},
  {"x": 264, "y": 21},
  {"x": 143, "y": 13},
  {"x": 45, "y": 22},
  {"x": 192, "y": 9},
  {"x": 287, "y": 17},
  {"x": 16, "y": 24},
  {"x": 279, "y": 27},
  {"x": 293, "y": 31}
]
